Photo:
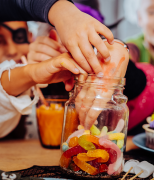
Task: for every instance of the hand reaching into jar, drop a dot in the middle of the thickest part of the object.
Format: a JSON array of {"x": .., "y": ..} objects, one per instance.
[{"x": 94, "y": 95}]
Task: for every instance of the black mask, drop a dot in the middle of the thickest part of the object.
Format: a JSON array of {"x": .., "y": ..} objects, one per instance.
[{"x": 19, "y": 36}]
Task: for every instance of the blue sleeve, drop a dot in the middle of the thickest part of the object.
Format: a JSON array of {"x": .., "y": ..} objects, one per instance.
[{"x": 25, "y": 10}]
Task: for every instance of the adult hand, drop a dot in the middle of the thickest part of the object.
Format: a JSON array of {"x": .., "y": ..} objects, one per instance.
[{"x": 78, "y": 32}]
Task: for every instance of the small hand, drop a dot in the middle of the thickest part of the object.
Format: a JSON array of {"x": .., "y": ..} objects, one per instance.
[{"x": 44, "y": 48}]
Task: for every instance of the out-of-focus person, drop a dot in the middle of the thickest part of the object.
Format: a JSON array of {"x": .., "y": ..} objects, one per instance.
[{"x": 141, "y": 12}]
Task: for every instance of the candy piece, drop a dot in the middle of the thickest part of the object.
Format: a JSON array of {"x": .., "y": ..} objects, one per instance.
[
  {"x": 74, "y": 167},
  {"x": 80, "y": 127},
  {"x": 129, "y": 164},
  {"x": 120, "y": 126},
  {"x": 147, "y": 168},
  {"x": 85, "y": 166},
  {"x": 64, "y": 161},
  {"x": 86, "y": 132},
  {"x": 99, "y": 153},
  {"x": 104, "y": 131},
  {"x": 112, "y": 155},
  {"x": 84, "y": 157},
  {"x": 74, "y": 151},
  {"x": 122, "y": 149},
  {"x": 75, "y": 134},
  {"x": 87, "y": 145},
  {"x": 94, "y": 163},
  {"x": 111, "y": 132},
  {"x": 116, "y": 136},
  {"x": 92, "y": 139},
  {"x": 94, "y": 130},
  {"x": 65, "y": 147},
  {"x": 103, "y": 168},
  {"x": 73, "y": 141},
  {"x": 114, "y": 141},
  {"x": 114, "y": 166},
  {"x": 120, "y": 143}
]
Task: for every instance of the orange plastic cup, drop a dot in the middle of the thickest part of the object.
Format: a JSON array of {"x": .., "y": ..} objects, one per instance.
[{"x": 50, "y": 122}]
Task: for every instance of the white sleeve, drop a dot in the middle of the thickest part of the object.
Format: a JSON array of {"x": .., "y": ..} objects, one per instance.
[{"x": 11, "y": 108}]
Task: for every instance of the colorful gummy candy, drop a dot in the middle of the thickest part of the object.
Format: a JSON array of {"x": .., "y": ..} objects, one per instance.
[
  {"x": 116, "y": 136},
  {"x": 104, "y": 131},
  {"x": 85, "y": 166},
  {"x": 108, "y": 144},
  {"x": 74, "y": 151},
  {"x": 120, "y": 143},
  {"x": 87, "y": 145},
  {"x": 84, "y": 157},
  {"x": 94, "y": 130},
  {"x": 64, "y": 161},
  {"x": 99, "y": 153},
  {"x": 75, "y": 134},
  {"x": 73, "y": 141},
  {"x": 65, "y": 147},
  {"x": 103, "y": 168},
  {"x": 94, "y": 151}
]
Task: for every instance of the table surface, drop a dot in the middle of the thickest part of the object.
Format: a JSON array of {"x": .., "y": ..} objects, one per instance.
[{"x": 22, "y": 154}]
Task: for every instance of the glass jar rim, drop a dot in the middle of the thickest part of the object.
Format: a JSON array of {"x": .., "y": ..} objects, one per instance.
[{"x": 120, "y": 80}]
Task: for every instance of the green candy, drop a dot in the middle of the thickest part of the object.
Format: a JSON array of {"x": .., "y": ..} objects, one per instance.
[
  {"x": 120, "y": 143},
  {"x": 94, "y": 130},
  {"x": 86, "y": 144}
]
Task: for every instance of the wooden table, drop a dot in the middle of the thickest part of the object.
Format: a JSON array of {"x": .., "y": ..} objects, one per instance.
[{"x": 22, "y": 154}]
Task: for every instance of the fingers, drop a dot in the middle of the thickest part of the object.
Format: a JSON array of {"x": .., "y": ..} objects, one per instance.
[
  {"x": 69, "y": 84},
  {"x": 96, "y": 40},
  {"x": 34, "y": 57},
  {"x": 90, "y": 55},
  {"x": 79, "y": 58},
  {"x": 86, "y": 104},
  {"x": 51, "y": 43},
  {"x": 43, "y": 48},
  {"x": 63, "y": 62},
  {"x": 103, "y": 30}
]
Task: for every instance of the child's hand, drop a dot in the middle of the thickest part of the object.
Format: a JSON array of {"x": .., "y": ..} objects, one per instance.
[
  {"x": 86, "y": 102},
  {"x": 44, "y": 48},
  {"x": 57, "y": 69},
  {"x": 78, "y": 32}
]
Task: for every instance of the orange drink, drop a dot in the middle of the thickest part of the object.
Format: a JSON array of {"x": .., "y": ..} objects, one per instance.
[{"x": 50, "y": 122}]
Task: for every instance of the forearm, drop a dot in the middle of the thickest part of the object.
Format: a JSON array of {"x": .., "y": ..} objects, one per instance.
[{"x": 20, "y": 80}]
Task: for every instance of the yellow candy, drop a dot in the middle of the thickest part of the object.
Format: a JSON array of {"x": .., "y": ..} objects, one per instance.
[
  {"x": 80, "y": 127},
  {"x": 94, "y": 130},
  {"x": 104, "y": 131},
  {"x": 65, "y": 143},
  {"x": 120, "y": 143},
  {"x": 116, "y": 136},
  {"x": 86, "y": 132}
]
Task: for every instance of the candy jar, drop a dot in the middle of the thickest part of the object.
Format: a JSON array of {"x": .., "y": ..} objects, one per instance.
[{"x": 95, "y": 127}]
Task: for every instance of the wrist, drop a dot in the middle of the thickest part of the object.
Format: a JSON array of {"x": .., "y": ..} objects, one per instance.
[
  {"x": 29, "y": 72},
  {"x": 57, "y": 11}
]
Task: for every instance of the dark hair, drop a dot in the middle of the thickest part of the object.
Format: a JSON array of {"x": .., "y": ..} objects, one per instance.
[{"x": 92, "y": 3}]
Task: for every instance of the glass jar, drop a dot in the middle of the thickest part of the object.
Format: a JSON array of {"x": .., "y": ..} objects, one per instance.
[
  {"x": 50, "y": 120},
  {"x": 99, "y": 105}
]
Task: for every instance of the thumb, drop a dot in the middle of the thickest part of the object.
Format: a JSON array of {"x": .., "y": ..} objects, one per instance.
[{"x": 53, "y": 35}]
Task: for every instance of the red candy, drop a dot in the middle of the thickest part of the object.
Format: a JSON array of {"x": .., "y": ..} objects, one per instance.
[
  {"x": 74, "y": 167},
  {"x": 74, "y": 151},
  {"x": 112, "y": 155},
  {"x": 103, "y": 168},
  {"x": 64, "y": 161}
]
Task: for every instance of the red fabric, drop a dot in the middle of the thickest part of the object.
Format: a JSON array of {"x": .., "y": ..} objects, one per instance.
[{"x": 142, "y": 106}]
